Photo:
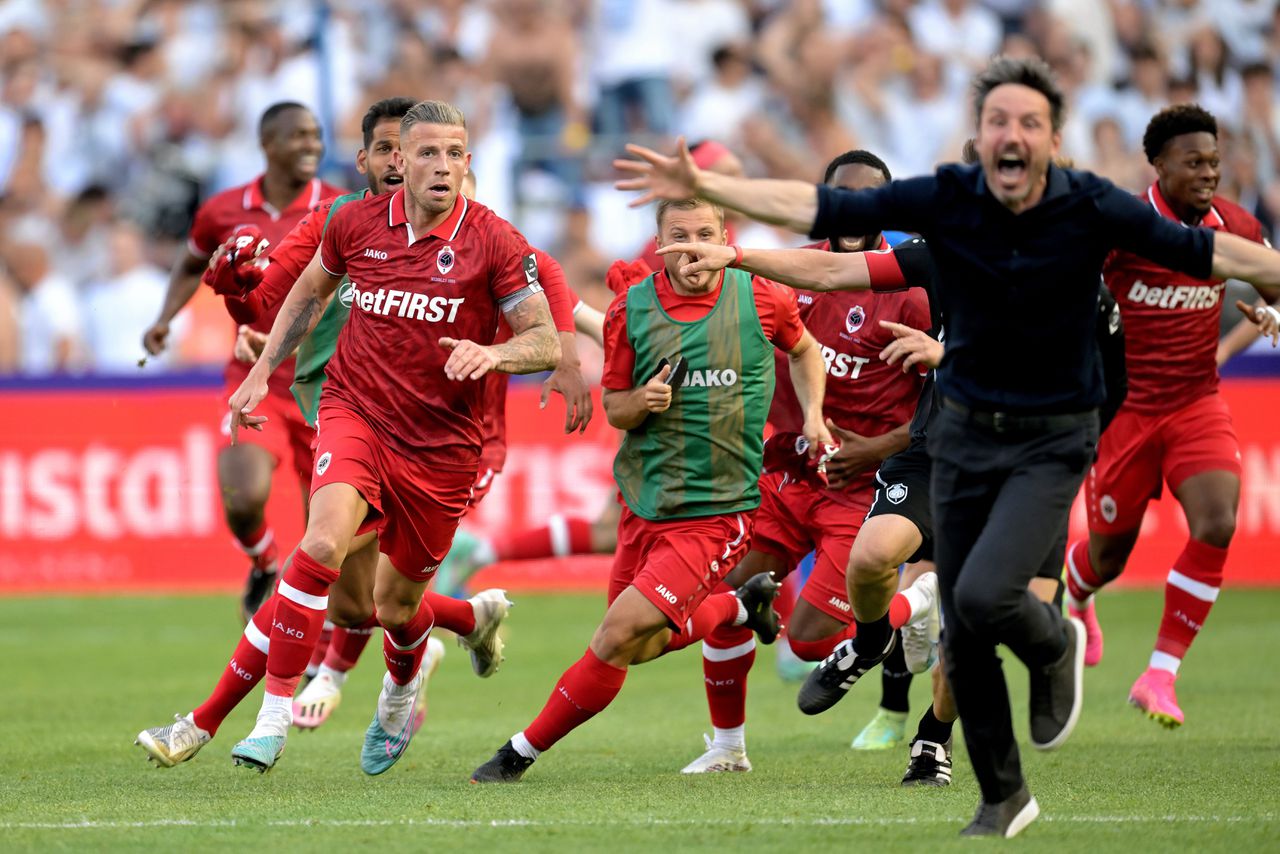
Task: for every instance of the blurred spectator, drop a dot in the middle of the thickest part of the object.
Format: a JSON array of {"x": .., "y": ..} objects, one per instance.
[
  {"x": 1262, "y": 120},
  {"x": 49, "y": 311},
  {"x": 118, "y": 308},
  {"x": 635, "y": 46},
  {"x": 959, "y": 30},
  {"x": 718, "y": 106}
]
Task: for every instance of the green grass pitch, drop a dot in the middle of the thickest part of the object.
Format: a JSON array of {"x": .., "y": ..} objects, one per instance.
[{"x": 80, "y": 677}]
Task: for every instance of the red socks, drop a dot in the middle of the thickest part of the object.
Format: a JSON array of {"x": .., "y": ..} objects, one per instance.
[
  {"x": 346, "y": 645},
  {"x": 716, "y": 611},
  {"x": 560, "y": 538},
  {"x": 245, "y": 669},
  {"x": 260, "y": 546},
  {"x": 899, "y": 611},
  {"x": 1189, "y": 594},
  {"x": 583, "y": 691},
  {"x": 1082, "y": 581},
  {"x": 403, "y": 648},
  {"x": 456, "y": 615},
  {"x": 301, "y": 602},
  {"x": 727, "y": 656},
  {"x": 819, "y": 649}
]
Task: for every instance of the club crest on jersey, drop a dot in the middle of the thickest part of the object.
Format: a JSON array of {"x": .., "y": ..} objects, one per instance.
[
  {"x": 1107, "y": 507},
  {"x": 346, "y": 293},
  {"x": 896, "y": 493},
  {"x": 444, "y": 260},
  {"x": 530, "y": 268},
  {"x": 322, "y": 464},
  {"x": 854, "y": 319},
  {"x": 802, "y": 445}
]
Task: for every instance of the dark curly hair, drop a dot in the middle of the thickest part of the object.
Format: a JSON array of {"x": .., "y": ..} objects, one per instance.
[{"x": 1175, "y": 121}]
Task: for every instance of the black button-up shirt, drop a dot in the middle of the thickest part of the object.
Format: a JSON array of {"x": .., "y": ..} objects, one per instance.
[{"x": 1019, "y": 291}]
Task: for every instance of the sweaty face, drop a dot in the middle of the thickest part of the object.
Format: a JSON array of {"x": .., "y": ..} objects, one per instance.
[
  {"x": 1188, "y": 169},
  {"x": 378, "y": 162},
  {"x": 1015, "y": 143},
  {"x": 294, "y": 146},
  {"x": 857, "y": 176},
  {"x": 695, "y": 225},
  {"x": 435, "y": 159}
]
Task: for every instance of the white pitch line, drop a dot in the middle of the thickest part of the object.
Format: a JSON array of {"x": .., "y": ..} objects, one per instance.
[{"x": 637, "y": 822}]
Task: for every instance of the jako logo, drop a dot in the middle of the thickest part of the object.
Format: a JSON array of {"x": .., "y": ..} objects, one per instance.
[
  {"x": 376, "y": 254},
  {"x": 725, "y": 377},
  {"x": 406, "y": 304},
  {"x": 665, "y": 593}
]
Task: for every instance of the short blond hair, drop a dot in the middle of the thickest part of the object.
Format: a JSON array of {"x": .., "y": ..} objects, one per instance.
[
  {"x": 432, "y": 113},
  {"x": 687, "y": 205}
]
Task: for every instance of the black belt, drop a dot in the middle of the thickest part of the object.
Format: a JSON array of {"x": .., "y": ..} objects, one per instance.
[{"x": 1011, "y": 422}]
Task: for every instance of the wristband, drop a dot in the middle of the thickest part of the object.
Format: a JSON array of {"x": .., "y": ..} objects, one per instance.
[
  {"x": 1271, "y": 310},
  {"x": 737, "y": 255}
]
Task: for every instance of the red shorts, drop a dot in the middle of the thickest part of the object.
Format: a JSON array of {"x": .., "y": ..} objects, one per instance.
[
  {"x": 794, "y": 519},
  {"x": 676, "y": 564},
  {"x": 286, "y": 435},
  {"x": 1139, "y": 452},
  {"x": 415, "y": 506}
]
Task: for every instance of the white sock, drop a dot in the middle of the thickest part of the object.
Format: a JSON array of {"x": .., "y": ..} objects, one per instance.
[
  {"x": 918, "y": 601},
  {"x": 394, "y": 689},
  {"x": 733, "y": 738},
  {"x": 1165, "y": 661},
  {"x": 523, "y": 747},
  {"x": 339, "y": 677},
  {"x": 274, "y": 717},
  {"x": 742, "y": 614}
]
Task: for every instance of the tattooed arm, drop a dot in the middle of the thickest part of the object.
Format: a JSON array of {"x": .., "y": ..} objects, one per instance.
[
  {"x": 298, "y": 316},
  {"x": 534, "y": 346}
]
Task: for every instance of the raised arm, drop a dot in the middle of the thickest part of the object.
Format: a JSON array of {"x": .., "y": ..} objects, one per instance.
[{"x": 791, "y": 204}]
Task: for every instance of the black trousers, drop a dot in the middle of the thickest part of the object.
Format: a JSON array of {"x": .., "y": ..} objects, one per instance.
[{"x": 1001, "y": 501}]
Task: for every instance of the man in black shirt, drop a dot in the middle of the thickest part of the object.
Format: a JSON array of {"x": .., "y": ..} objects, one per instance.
[{"x": 1018, "y": 245}]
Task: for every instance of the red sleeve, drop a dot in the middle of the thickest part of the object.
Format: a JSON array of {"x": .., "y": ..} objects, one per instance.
[
  {"x": 559, "y": 296},
  {"x": 884, "y": 270},
  {"x": 267, "y": 296},
  {"x": 333, "y": 244},
  {"x": 779, "y": 313},
  {"x": 512, "y": 264},
  {"x": 295, "y": 251},
  {"x": 619, "y": 357},
  {"x": 205, "y": 234}
]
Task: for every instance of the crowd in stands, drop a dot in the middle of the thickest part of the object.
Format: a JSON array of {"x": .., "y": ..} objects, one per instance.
[{"x": 117, "y": 117}]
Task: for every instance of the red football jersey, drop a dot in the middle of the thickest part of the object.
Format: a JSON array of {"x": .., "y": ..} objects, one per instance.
[
  {"x": 223, "y": 213},
  {"x": 864, "y": 394},
  {"x": 408, "y": 292},
  {"x": 561, "y": 299},
  {"x": 775, "y": 306},
  {"x": 1171, "y": 319}
]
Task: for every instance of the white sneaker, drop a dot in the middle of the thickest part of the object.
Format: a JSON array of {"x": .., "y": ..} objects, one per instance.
[
  {"x": 317, "y": 701},
  {"x": 170, "y": 745},
  {"x": 718, "y": 759},
  {"x": 396, "y": 703},
  {"x": 920, "y": 636},
  {"x": 484, "y": 643}
]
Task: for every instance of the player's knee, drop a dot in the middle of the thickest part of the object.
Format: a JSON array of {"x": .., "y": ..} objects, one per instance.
[
  {"x": 870, "y": 563},
  {"x": 616, "y": 642},
  {"x": 347, "y": 611},
  {"x": 1215, "y": 527},
  {"x": 395, "y": 614},
  {"x": 323, "y": 546}
]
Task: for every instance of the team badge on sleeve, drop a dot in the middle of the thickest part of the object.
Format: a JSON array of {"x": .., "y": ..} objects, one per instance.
[
  {"x": 530, "y": 268},
  {"x": 854, "y": 319},
  {"x": 322, "y": 464},
  {"x": 444, "y": 260},
  {"x": 897, "y": 493}
]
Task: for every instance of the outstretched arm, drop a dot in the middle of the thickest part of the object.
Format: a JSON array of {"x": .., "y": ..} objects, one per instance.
[
  {"x": 791, "y": 204},
  {"x": 804, "y": 269}
]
